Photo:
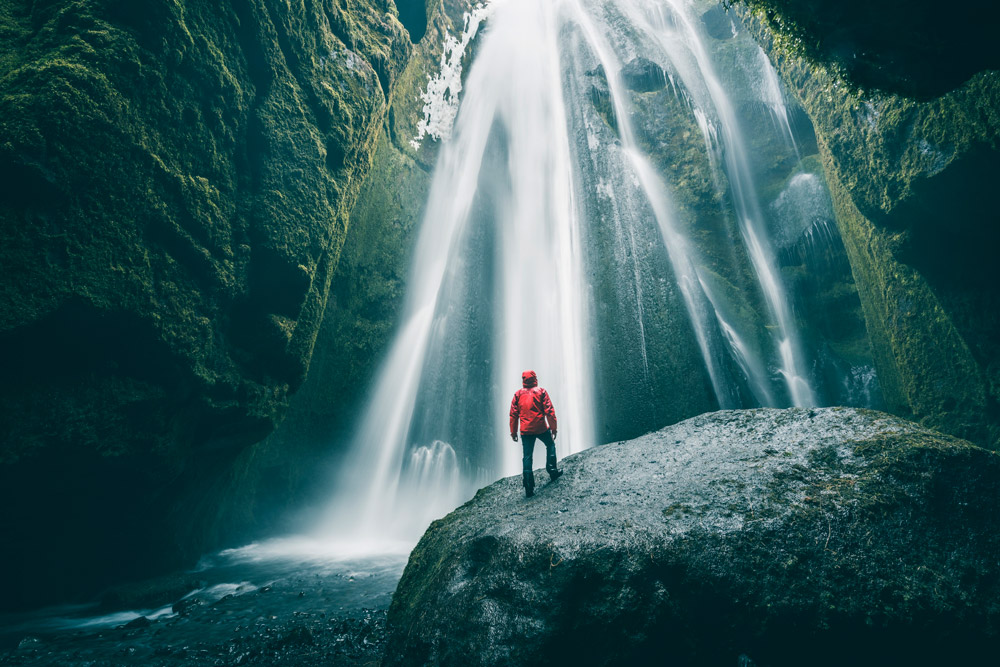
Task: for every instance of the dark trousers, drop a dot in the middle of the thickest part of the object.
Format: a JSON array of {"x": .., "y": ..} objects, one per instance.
[{"x": 528, "y": 445}]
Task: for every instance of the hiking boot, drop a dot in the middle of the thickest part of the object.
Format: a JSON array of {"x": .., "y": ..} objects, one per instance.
[
  {"x": 550, "y": 467},
  {"x": 528, "y": 478}
]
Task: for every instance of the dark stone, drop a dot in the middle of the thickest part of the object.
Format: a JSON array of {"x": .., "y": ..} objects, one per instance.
[
  {"x": 643, "y": 75},
  {"x": 29, "y": 643},
  {"x": 137, "y": 623},
  {"x": 186, "y": 605},
  {"x": 769, "y": 537},
  {"x": 915, "y": 48}
]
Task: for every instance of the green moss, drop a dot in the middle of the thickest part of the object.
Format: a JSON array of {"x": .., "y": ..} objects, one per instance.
[
  {"x": 178, "y": 178},
  {"x": 908, "y": 180}
]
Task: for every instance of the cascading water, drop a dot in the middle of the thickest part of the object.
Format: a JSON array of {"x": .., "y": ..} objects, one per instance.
[
  {"x": 502, "y": 229},
  {"x": 596, "y": 197},
  {"x": 670, "y": 26},
  {"x": 770, "y": 92},
  {"x": 536, "y": 166}
]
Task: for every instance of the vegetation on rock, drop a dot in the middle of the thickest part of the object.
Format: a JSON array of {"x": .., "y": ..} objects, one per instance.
[
  {"x": 911, "y": 183},
  {"x": 178, "y": 177}
]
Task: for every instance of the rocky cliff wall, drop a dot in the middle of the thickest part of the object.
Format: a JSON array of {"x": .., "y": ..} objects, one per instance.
[
  {"x": 177, "y": 181},
  {"x": 294, "y": 466},
  {"x": 912, "y": 183}
]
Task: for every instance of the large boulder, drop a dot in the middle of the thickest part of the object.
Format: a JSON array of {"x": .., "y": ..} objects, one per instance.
[{"x": 768, "y": 537}]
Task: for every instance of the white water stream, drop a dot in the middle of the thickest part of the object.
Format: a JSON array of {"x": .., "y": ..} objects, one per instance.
[
  {"x": 671, "y": 27},
  {"x": 500, "y": 280}
]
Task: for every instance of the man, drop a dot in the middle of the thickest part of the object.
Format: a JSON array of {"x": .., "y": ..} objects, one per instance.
[{"x": 531, "y": 407}]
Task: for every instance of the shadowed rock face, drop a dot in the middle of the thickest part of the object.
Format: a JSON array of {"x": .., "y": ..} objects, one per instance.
[
  {"x": 789, "y": 537},
  {"x": 911, "y": 187},
  {"x": 177, "y": 178},
  {"x": 915, "y": 48},
  {"x": 643, "y": 75}
]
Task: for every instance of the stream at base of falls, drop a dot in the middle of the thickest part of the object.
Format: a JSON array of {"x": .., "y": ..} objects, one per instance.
[{"x": 294, "y": 602}]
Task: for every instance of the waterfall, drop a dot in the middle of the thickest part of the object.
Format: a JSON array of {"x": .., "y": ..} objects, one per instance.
[
  {"x": 670, "y": 26},
  {"x": 501, "y": 221},
  {"x": 535, "y": 164},
  {"x": 772, "y": 95}
]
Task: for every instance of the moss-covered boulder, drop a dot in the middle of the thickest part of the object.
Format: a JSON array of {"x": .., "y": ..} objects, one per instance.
[
  {"x": 912, "y": 189},
  {"x": 764, "y": 537},
  {"x": 177, "y": 182}
]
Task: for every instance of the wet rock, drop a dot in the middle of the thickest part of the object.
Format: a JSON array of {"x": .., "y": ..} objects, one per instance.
[
  {"x": 643, "y": 75},
  {"x": 767, "y": 537},
  {"x": 185, "y": 605},
  {"x": 138, "y": 623},
  {"x": 717, "y": 23},
  {"x": 29, "y": 643}
]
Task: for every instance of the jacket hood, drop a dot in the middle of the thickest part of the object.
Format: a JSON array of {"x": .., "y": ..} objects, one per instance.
[{"x": 529, "y": 379}]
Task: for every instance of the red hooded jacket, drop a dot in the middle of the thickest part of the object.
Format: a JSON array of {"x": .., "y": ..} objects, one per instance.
[{"x": 531, "y": 406}]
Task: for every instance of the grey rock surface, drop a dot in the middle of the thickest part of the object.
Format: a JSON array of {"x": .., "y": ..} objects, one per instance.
[
  {"x": 643, "y": 75},
  {"x": 771, "y": 537}
]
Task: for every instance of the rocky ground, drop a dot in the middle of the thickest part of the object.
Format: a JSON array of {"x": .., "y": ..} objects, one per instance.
[
  {"x": 218, "y": 635},
  {"x": 766, "y": 538},
  {"x": 769, "y": 537},
  {"x": 303, "y": 614}
]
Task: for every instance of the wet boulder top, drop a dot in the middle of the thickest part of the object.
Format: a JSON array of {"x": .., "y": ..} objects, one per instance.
[{"x": 767, "y": 537}]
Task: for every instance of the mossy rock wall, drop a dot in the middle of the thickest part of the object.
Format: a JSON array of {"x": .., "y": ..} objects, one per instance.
[
  {"x": 912, "y": 186},
  {"x": 294, "y": 467},
  {"x": 177, "y": 183}
]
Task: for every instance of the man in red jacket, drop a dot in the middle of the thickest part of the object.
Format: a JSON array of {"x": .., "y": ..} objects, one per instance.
[{"x": 531, "y": 407}]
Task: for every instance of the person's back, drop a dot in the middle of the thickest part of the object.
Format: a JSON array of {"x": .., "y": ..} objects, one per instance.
[{"x": 532, "y": 410}]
